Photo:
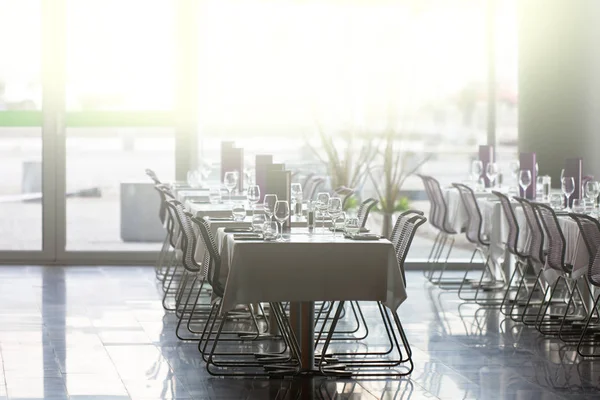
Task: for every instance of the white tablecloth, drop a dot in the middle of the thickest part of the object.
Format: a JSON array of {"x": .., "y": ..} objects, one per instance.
[
  {"x": 457, "y": 214},
  {"x": 309, "y": 268}
]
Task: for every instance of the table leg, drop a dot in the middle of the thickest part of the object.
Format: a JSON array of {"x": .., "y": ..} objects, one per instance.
[{"x": 307, "y": 337}]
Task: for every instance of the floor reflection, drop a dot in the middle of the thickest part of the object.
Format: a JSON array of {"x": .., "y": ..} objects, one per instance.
[{"x": 95, "y": 332}]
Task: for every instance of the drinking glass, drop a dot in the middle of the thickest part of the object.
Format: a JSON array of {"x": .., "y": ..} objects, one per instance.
[
  {"x": 258, "y": 221},
  {"x": 205, "y": 169},
  {"x": 556, "y": 201},
  {"x": 579, "y": 206},
  {"x": 539, "y": 188},
  {"x": 352, "y": 226},
  {"x": 321, "y": 205},
  {"x": 230, "y": 180},
  {"x": 270, "y": 230},
  {"x": 476, "y": 170},
  {"x": 592, "y": 189},
  {"x": 282, "y": 213},
  {"x": 491, "y": 171},
  {"x": 253, "y": 196},
  {"x": 239, "y": 211},
  {"x": 567, "y": 184},
  {"x": 214, "y": 195},
  {"x": 296, "y": 193},
  {"x": 334, "y": 209},
  {"x": 524, "y": 180},
  {"x": 269, "y": 203}
]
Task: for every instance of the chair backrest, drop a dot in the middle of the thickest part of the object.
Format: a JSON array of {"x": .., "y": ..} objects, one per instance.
[
  {"x": 590, "y": 232},
  {"x": 535, "y": 238},
  {"x": 153, "y": 176},
  {"x": 345, "y": 193},
  {"x": 163, "y": 190},
  {"x": 475, "y": 220},
  {"x": 214, "y": 269},
  {"x": 364, "y": 209},
  {"x": 512, "y": 241},
  {"x": 400, "y": 222},
  {"x": 434, "y": 210},
  {"x": 187, "y": 236},
  {"x": 555, "y": 253},
  {"x": 316, "y": 185},
  {"x": 409, "y": 225},
  {"x": 441, "y": 205},
  {"x": 173, "y": 226}
]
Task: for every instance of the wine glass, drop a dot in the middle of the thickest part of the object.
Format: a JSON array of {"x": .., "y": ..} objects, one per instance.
[
  {"x": 476, "y": 170},
  {"x": 321, "y": 205},
  {"x": 334, "y": 208},
  {"x": 230, "y": 180},
  {"x": 524, "y": 180},
  {"x": 281, "y": 214},
  {"x": 592, "y": 189},
  {"x": 214, "y": 195},
  {"x": 269, "y": 203},
  {"x": 491, "y": 171},
  {"x": 205, "y": 169},
  {"x": 253, "y": 196},
  {"x": 567, "y": 184},
  {"x": 296, "y": 193}
]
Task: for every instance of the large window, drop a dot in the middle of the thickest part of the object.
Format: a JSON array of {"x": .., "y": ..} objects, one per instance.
[{"x": 120, "y": 55}]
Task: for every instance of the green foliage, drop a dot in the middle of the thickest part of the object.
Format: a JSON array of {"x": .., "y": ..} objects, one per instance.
[{"x": 402, "y": 204}]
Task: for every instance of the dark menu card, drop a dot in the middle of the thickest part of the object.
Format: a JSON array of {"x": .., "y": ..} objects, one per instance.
[
  {"x": 263, "y": 162},
  {"x": 573, "y": 168},
  {"x": 528, "y": 161},
  {"x": 279, "y": 182},
  {"x": 486, "y": 156}
]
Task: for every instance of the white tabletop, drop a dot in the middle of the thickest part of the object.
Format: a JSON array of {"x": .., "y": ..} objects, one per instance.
[{"x": 309, "y": 267}]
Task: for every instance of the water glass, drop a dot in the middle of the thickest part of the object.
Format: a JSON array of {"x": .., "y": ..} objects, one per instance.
[
  {"x": 556, "y": 201},
  {"x": 270, "y": 230},
  {"x": 269, "y": 204},
  {"x": 476, "y": 170},
  {"x": 281, "y": 214},
  {"x": 334, "y": 209},
  {"x": 321, "y": 205},
  {"x": 253, "y": 195},
  {"x": 567, "y": 184},
  {"x": 579, "y": 206},
  {"x": 258, "y": 222},
  {"x": 239, "y": 211},
  {"x": 230, "y": 181},
  {"x": 492, "y": 171},
  {"x": 214, "y": 195},
  {"x": 352, "y": 226},
  {"x": 524, "y": 180},
  {"x": 296, "y": 193},
  {"x": 592, "y": 189}
]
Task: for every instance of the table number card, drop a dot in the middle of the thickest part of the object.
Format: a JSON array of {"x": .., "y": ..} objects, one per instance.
[
  {"x": 486, "y": 156},
  {"x": 528, "y": 161},
  {"x": 573, "y": 168},
  {"x": 279, "y": 182}
]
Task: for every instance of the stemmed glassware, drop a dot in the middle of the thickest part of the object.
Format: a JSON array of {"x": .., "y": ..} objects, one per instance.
[
  {"x": 321, "y": 204},
  {"x": 491, "y": 171},
  {"x": 296, "y": 193},
  {"x": 205, "y": 169},
  {"x": 230, "y": 180},
  {"x": 567, "y": 184},
  {"x": 476, "y": 171},
  {"x": 334, "y": 208},
  {"x": 524, "y": 180},
  {"x": 281, "y": 214},
  {"x": 592, "y": 189},
  {"x": 253, "y": 196},
  {"x": 269, "y": 203}
]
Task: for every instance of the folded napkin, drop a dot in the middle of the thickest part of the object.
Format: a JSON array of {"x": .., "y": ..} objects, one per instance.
[{"x": 236, "y": 230}]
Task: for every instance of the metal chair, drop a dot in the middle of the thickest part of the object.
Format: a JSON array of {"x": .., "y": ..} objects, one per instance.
[
  {"x": 438, "y": 218},
  {"x": 345, "y": 193},
  {"x": 590, "y": 232},
  {"x": 474, "y": 234},
  {"x": 364, "y": 209},
  {"x": 386, "y": 361}
]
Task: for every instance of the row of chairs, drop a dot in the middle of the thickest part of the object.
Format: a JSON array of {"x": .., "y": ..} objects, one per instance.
[
  {"x": 557, "y": 307},
  {"x": 240, "y": 342}
]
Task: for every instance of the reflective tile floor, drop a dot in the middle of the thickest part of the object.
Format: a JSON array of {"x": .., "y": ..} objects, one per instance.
[{"x": 94, "y": 332}]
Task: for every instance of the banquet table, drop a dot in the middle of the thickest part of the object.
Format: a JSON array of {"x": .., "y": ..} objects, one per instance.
[{"x": 308, "y": 268}]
